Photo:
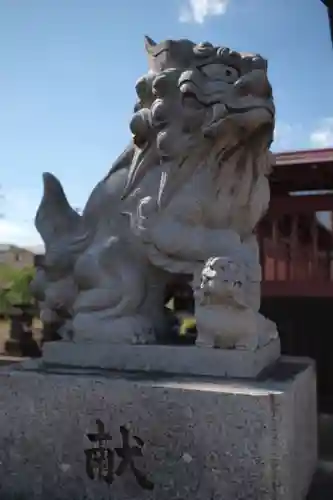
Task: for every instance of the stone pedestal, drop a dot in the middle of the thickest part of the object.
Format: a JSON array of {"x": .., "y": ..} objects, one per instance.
[
  {"x": 204, "y": 437},
  {"x": 170, "y": 359}
]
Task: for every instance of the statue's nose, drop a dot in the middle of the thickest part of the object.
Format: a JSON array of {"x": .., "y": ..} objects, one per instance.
[{"x": 254, "y": 83}]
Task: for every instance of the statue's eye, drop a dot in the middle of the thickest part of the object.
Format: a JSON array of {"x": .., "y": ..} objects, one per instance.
[
  {"x": 231, "y": 75},
  {"x": 227, "y": 74}
]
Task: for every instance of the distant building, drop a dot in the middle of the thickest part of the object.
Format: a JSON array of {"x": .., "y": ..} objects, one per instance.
[{"x": 15, "y": 256}]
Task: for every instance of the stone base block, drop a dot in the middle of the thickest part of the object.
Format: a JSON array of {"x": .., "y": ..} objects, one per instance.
[
  {"x": 204, "y": 438},
  {"x": 190, "y": 360}
]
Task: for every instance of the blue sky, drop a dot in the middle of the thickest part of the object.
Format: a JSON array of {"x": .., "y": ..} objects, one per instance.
[{"x": 68, "y": 69}]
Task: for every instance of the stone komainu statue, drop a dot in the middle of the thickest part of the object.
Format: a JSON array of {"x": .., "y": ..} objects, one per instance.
[{"x": 183, "y": 199}]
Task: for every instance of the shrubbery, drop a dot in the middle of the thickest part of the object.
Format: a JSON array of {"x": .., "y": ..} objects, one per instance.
[{"x": 14, "y": 287}]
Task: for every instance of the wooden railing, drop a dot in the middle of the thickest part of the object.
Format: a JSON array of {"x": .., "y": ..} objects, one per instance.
[{"x": 296, "y": 246}]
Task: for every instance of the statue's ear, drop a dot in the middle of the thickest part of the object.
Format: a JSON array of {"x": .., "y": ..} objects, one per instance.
[
  {"x": 149, "y": 44},
  {"x": 55, "y": 217}
]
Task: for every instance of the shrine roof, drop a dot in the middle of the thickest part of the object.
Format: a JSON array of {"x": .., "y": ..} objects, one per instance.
[
  {"x": 305, "y": 170},
  {"x": 304, "y": 156}
]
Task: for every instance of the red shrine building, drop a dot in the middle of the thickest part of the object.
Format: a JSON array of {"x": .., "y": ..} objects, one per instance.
[
  {"x": 296, "y": 245},
  {"x": 296, "y": 235}
]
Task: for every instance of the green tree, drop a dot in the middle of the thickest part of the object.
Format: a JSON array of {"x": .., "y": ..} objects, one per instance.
[
  {"x": 5, "y": 304},
  {"x": 15, "y": 286}
]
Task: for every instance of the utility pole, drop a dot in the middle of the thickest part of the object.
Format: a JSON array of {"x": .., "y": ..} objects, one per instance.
[{"x": 329, "y": 6}]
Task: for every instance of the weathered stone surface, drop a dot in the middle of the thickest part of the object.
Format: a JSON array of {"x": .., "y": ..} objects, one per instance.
[
  {"x": 227, "y": 304},
  {"x": 185, "y": 360},
  {"x": 205, "y": 438},
  {"x": 191, "y": 186}
]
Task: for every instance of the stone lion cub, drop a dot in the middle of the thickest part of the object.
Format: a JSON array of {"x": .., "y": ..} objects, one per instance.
[{"x": 224, "y": 317}]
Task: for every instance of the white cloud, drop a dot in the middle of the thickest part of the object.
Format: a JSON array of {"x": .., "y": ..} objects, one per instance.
[
  {"x": 17, "y": 211},
  {"x": 282, "y": 132},
  {"x": 288, "y": 136},
  {"x": 18, "y": 233},
  {"x": 18, "y": 208},
  {"x": 322, "y": 136},
  {"x": 294, "y": 136},
  {"x": 196, "y": 11}
]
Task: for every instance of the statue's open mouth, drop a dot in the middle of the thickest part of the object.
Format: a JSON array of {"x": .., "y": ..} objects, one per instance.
[{"x": 224, "y": 95}]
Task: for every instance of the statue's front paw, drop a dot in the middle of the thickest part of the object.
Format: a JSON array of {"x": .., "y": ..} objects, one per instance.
[
  {"x": 205, "y": 339},
  {"x": 250, "y": 343}
]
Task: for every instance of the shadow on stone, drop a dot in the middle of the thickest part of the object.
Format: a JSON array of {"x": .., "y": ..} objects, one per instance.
[{"x": 322, "y": 486}]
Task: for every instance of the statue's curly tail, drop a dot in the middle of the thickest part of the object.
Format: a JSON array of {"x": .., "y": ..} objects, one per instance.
[{"x": 55, "y": 217}]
